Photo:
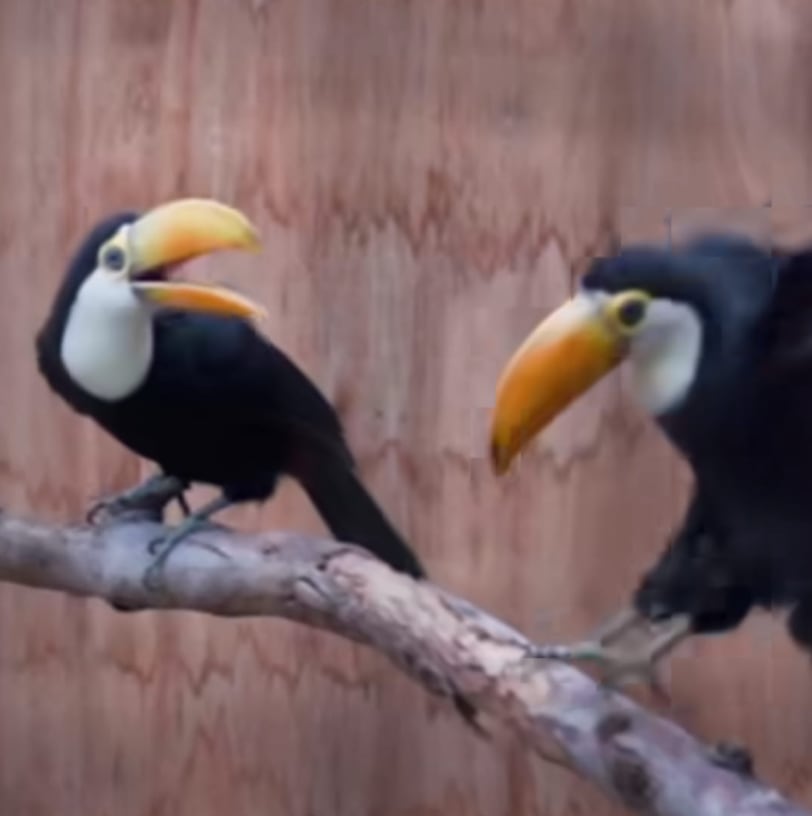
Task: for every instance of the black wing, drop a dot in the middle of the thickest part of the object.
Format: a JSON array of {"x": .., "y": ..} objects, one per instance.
[
  {"x": 786, "y": 341},
  {"x": 225, "y": 364},
  {"x": 784, "y": 366},
  {"x": 232, "y": 372}
]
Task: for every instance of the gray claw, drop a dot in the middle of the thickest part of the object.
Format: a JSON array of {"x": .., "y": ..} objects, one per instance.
[
  {"x": 154, "y": 577},
  {"x": 97, "y": 507},
  {"x": 621, "y": 664},
  {"x": 151, "y": 495}
]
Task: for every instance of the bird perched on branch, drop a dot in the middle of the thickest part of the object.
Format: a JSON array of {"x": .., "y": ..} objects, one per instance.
[
  {"x": 718, "y": 335},
  {"x": 177, "y": 372}
]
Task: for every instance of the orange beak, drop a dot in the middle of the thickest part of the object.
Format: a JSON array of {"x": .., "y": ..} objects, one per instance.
[
  {"x": 563, "y": 357},
  {"x": 179, "y": 231}
]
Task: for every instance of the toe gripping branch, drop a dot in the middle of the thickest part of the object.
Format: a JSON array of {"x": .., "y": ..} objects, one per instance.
[
  {"x": 150, "y": 497},
  {"x": 625, "y": 648}
]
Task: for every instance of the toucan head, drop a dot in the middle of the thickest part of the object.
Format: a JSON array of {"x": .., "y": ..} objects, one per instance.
[
  {"x": 123, "y": 274},
  {"x": 129, "y": 260},
  {"x": 669, "y": 312}
]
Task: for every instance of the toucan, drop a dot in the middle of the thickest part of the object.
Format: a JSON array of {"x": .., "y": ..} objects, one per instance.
[
  {"x": 717, "y": 334},
  {"x": 179, "y": 373}
]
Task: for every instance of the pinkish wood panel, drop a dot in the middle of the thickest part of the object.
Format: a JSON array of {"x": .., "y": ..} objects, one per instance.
[{"x": 429, "y": 176}]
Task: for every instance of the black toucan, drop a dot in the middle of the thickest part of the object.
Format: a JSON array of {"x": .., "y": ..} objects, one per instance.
[
  {"x": 718, "y": 335},
  {"x": 177, "y": 372}
]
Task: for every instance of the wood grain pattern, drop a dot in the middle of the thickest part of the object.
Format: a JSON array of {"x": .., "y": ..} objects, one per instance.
[{"x": 429, "y": 175}]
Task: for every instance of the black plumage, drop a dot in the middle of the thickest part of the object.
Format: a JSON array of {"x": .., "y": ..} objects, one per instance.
[
  {"x": 745, "y": 427},
  {"x": 223, "y": 406}
]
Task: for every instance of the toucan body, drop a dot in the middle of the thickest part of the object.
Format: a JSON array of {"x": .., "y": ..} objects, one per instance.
[
  {"x": 718, "y": 335},
  {"x": 179, "y": 374}
]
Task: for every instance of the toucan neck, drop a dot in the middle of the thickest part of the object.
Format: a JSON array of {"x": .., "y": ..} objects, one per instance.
[
  {"x": 666, "y": 358},
  {"x": 107, "y": 344}
]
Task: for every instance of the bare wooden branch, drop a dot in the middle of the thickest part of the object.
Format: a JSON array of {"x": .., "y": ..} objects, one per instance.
[{"x": 647, "y": 762}]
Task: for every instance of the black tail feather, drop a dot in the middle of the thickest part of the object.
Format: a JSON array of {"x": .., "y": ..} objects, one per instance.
[{"x": 353, "y": 515}]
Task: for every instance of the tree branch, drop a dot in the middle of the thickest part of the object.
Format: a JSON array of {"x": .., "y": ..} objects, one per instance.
[{"x": 449, "y": 646}]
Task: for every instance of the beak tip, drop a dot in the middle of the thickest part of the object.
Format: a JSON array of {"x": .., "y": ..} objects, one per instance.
[
  {"x": 244, "y": 235},
  {"x": 500, "y": 458},
  {"x": 253, "y": 243}
]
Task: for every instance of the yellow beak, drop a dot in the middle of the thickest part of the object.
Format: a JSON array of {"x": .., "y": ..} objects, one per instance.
[
  {"x": 564, "y": 356},
  {"x": 179, "y": 231}
]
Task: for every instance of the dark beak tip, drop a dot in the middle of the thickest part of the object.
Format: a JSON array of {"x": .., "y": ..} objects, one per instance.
[{"x": 499, "y": 462}]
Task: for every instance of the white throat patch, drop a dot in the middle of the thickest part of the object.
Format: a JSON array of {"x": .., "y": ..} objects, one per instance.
[
  {"x": 665, "y": 355},
  {"x": 107, "y": 345}
]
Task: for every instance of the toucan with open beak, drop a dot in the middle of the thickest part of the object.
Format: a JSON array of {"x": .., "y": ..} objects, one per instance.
[
  {"x": 178, "y": 373},
  {"x": 717, "y": 333}
]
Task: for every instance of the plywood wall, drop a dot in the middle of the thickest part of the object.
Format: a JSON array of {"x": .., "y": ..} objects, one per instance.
[{"x": 429, "y": 176}]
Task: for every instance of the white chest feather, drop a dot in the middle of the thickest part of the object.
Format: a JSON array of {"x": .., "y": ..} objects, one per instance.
[
  {"x": 665, "y": 355},
  {"x": 108, "y": 342}
]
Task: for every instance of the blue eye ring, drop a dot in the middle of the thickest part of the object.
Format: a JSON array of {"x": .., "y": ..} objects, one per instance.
[
  {"x": 113, "y": 258},
  {"x": 632, "y": 312}
]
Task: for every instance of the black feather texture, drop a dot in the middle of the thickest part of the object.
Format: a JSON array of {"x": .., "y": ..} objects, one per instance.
[
  {"x": 223, "y": 406},
  {"x": 745, "y": 427}
]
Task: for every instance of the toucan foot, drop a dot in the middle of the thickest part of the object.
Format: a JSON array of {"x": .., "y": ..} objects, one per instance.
[
  {"x": 159, "y": 549},
  {"x": 620, "y": 664},
  {"x": 151, "y": 496},
  {"x": 163, "y": 546},
  {"x": 154, "y": 577},
  {"x": 111, "y": 507},
  {"x": 617, "y": 667},
  {"x": 156, "y": 545}
]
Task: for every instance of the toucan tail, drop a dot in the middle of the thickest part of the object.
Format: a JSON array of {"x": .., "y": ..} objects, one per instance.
[{"x": 352, "y": 514}]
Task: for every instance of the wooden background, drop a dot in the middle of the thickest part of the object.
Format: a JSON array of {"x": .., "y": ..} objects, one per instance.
[{"x": 429, "y": 176}]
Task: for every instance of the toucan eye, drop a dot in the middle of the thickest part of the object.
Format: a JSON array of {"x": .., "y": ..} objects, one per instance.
[
  {"x": 113, "y": 258},
  {"x": 629, "y": 310}
]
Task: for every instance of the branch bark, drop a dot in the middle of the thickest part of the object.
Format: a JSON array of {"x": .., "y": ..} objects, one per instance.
[{"x": 648, "y": 763}]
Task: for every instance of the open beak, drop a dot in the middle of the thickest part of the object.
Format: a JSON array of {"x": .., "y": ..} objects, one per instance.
[
  {"x": 563, "y": 357},
  {"x": 179, "y": 231}
]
